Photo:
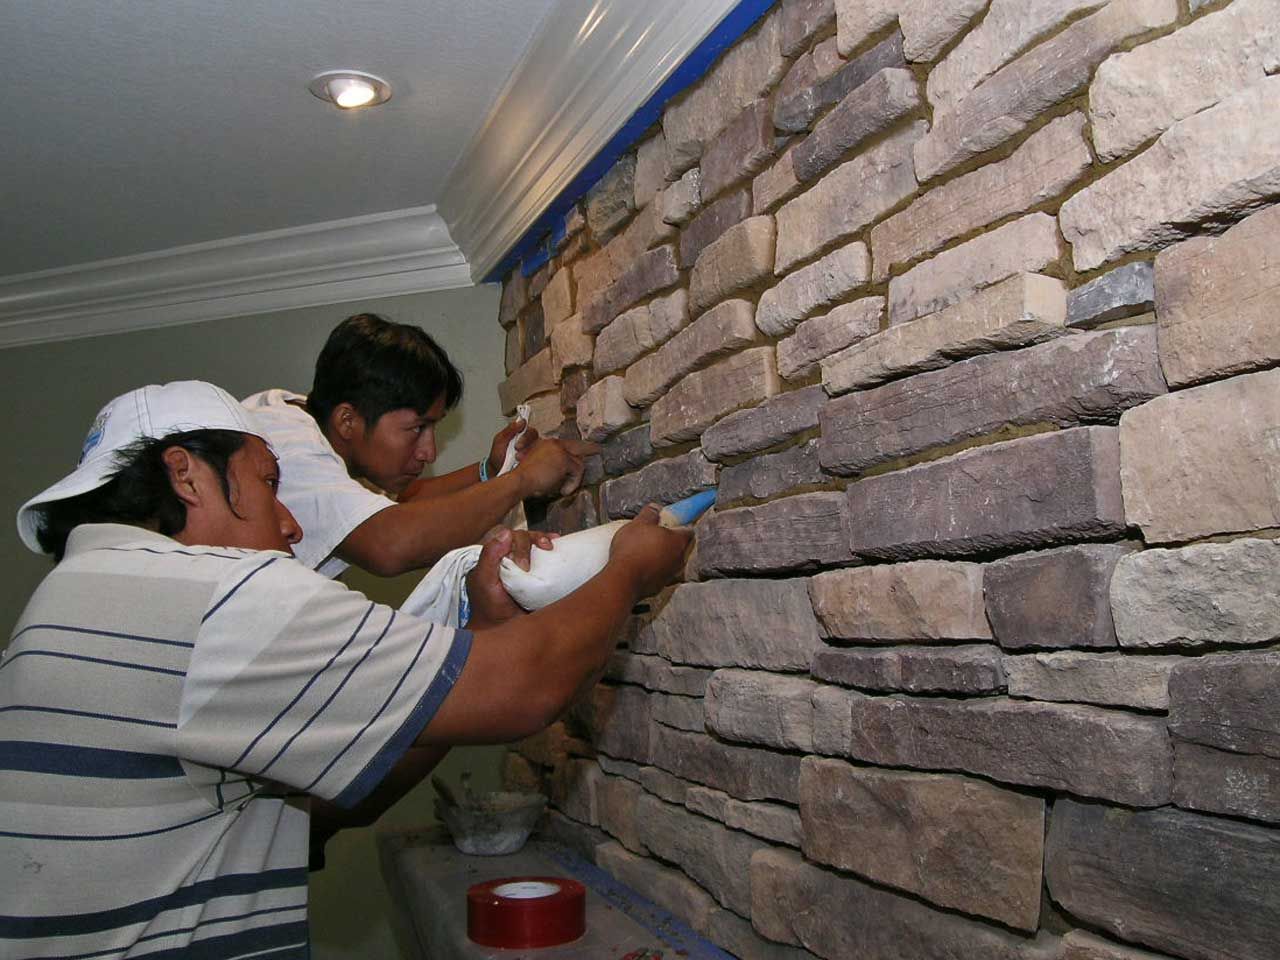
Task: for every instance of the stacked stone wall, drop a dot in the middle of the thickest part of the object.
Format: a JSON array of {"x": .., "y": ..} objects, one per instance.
[{"x": 971, "y": 308}]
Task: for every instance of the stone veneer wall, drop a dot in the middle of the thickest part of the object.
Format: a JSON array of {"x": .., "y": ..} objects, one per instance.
[{"x": 972, "y": 310}]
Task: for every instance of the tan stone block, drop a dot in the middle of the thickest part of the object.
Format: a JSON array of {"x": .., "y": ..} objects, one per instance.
[
  {"x": 724, "y": 329},
  {"x": 1212, "y": 167},
  {"x": 1080, "y": 945},
  {"x": 926, "y": 28},
  {"x": 1218, "y": 299},
  {"x": 703, "y": 397},
  {"x": 639, "y": 330},
  {"x": 750, "y": 69},
  {"x": 840, "y": 917},
  {"x": 603, "y": 411},
  {"x": 848, "y": 198},
  {"x": 814, "y": 340},
  {"x": 764, "y": 624},
  {"x": 820, "y": 284},
  {"x": 666, "y": 887},
  {"x": 610, "y": 202},
  {"x": 1048, "y": 162},
  {"x": 571, "y": 346},
  {"x": 680, "y": 201},
  {"x": 536, "y": 375},
  {"x": 755, "y": 706},
  {"x": 645, "y": 231},
  {"x": 1023, "y": 246},
  {"x": 802, "y": 20},
  {"x": 922, "y": 600},
  {"x": 514, "y": 297},
  {"x": 1009, "y": 28},
  {"x": 545, "y": 414},
  {"x": 651, "y": 167},
  {"x": 1138, "y": 95},
  {"x": 775, "y": 184},
  {"x": 1202, "y": 596},
  {"x": 1004, "y": 104},
  {"x": 557, "y": 299},
  {"x": 1024, "y": 309},
  {"x": 1204, "y": 461},
  {"x": 956, "y": 841},
  {"x": 742, "y": 257},
  {"x": 1105, "y": 679},
  {"x": 513, "y": 351},
  {"x": 593, "y": 275}
]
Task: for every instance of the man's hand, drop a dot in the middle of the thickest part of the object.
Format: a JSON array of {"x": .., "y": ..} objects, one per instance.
[
  {"x": 490, "y": 602},
  {"x": 653, "y": 555},
  {"x": 553, "y": 468},
  {"x": 501, "y": 439}
]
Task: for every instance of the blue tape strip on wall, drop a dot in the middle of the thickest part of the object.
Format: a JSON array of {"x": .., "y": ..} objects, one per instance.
[{"x": 533, "y": 249}]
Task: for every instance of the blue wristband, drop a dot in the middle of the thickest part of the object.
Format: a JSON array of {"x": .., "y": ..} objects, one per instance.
[{"x": 484, "y": 469}]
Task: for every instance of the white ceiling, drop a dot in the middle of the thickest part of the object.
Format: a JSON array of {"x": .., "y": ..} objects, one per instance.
[
  {"x": 140, "y": 125},
  {"x": 162, "y": 161}
]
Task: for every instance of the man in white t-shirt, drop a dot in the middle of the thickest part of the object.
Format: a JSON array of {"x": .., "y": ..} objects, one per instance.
[
  {"x": 379, "y": 390},
  {"x": 179, "y": 689}
]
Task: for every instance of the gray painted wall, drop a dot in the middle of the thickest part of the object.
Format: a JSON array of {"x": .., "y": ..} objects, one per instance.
[{"x": 51, "y": 393}]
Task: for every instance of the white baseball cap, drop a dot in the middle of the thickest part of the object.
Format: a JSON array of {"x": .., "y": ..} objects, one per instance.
[{"x": 148, "y": 413}]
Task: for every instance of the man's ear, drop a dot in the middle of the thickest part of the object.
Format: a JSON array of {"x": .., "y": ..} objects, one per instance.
[
  {"x": 346, "y": 420},
  {"x": 182, "y": 469}
]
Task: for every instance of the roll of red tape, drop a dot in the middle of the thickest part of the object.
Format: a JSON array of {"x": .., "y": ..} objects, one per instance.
[{"x": 520, "y": 912}]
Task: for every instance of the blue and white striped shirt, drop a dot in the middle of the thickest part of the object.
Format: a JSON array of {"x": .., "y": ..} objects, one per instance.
[{"x": 165, "y": 712}]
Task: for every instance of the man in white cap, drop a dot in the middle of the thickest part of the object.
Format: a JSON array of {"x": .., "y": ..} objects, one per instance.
[{"x": 179, "y": 687}]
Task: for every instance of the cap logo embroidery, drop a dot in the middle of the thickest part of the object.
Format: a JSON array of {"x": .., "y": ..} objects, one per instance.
[{"x": 94, "y": 438}]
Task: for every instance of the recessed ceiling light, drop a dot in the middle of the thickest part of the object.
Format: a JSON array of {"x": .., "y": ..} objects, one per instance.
[{"x": 349, "y": 89}]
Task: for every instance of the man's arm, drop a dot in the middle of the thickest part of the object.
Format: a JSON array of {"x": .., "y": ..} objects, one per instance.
[
  {"x": 416, "y": 533},
  {"x": 521, "y": 675}
]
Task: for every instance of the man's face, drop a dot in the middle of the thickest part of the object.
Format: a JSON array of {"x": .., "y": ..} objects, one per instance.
[
  {"x": 394, "y": 452},
  {"x": 257, "y": 520}
]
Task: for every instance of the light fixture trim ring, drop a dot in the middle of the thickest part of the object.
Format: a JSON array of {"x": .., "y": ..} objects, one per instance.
[{"x": 322, "y": 83}]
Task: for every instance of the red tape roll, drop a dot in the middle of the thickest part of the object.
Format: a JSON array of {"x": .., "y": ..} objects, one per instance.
[{"x": 519, "y": 912}]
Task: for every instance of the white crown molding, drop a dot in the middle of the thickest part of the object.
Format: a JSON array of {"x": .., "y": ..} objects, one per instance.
[
  {"x": 387, "y": 254},
  {"x": 592, "y": 64}
]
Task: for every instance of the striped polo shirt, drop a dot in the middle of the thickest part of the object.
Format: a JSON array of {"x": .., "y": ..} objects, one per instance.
[{"x": 165, "y": 712}]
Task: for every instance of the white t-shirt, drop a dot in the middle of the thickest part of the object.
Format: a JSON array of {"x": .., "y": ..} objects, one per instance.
[
  {"x": 167, "y": 712},
  {"x": 314, "y": 483}
]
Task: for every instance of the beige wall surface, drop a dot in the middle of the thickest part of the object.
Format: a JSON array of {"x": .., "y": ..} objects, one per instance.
[{"x": 51, "y": 393}]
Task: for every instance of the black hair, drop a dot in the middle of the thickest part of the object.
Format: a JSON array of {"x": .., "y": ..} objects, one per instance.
[
  {"x": 140, "y": 492},
  {"x": 378, "y": 366}
]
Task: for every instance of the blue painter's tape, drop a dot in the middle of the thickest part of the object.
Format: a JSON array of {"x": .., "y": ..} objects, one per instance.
[
  {"x": 671, "y": 931},
  {"x": 532, "y": 246}
]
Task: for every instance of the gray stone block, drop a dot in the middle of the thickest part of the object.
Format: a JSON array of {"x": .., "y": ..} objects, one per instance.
[
  {"x": 1054, "y": 599},
  {"x": 1032, "y": 492},
  {"x": 770, "y": 475},
  {"x": 963, "y": 671},
  {"x": 868, "y": 109},
  {"x": 1124, "y": 292},
  {"x": 747, "y": 773},
  {"x": 794, "y": 534},
  {"x": 1089, "y": 378},
  {"x": 772, "y": 422},
  {"x": 664, "y": 481},
  {"x": 1198, "y": 887},
  {"x": 1086, "y": 751},
  {"x": 711, "y": 224}
]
